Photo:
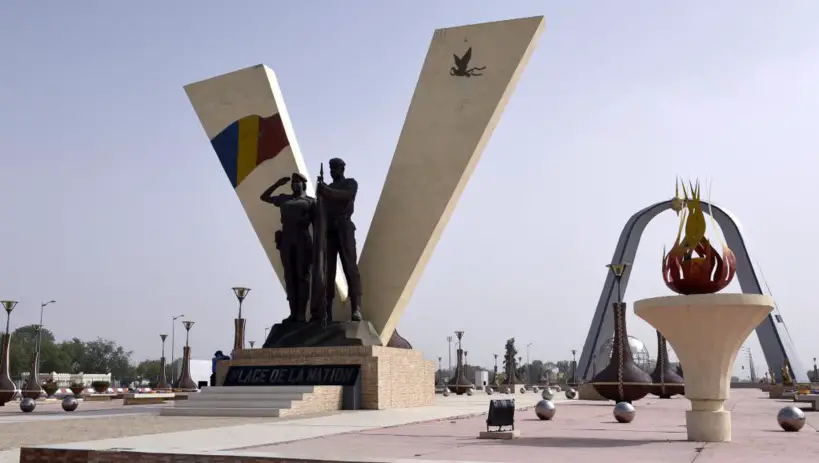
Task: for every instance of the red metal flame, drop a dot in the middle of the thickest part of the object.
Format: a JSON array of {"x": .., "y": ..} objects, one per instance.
[{"x": 707, "y": 273}]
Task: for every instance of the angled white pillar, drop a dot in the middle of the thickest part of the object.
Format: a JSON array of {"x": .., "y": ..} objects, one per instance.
[
  {"x": 244, "y": 117},
  {"x": 450, "y": 120}
]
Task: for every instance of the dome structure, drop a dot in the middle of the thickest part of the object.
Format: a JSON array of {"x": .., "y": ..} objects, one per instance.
[{"x": 639, "y": 352}]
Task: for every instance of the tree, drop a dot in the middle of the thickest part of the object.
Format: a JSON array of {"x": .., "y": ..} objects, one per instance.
[
  {"x": 149, "y": 369},
  {"x": 23, "y": 346},
  {"x": 105, "y": 356},
  {"x": 509, "y": 359},
  {"x": 74, "y": 353}
]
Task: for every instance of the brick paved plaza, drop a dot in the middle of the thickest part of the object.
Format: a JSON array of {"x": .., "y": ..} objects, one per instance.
[{"x": 582, "y": 431}]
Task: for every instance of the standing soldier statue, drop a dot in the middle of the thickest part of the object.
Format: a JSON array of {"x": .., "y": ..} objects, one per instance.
[{"x": 338, "y": 202}]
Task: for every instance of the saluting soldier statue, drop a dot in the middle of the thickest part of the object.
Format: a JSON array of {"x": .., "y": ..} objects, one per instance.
[{"x": 294, "y": 242}]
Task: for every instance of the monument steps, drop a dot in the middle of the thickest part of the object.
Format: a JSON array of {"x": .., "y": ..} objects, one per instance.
[
  {"x": 257, "y": 401},
  {"x": 223, "y": 412}
]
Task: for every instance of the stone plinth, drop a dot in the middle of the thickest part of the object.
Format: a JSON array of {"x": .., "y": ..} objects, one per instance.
[
  {"x": 390, "y": 377},
  {"x": 706, "y": 331},
  {"x": 586, "y": 391},
  {"x": 499, "y": 435}
]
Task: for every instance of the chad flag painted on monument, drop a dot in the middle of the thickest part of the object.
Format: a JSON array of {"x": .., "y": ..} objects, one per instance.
[{"x": 248, "y": 142}]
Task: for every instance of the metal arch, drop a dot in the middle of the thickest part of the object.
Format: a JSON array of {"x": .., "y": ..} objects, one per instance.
[{"x": 776, "y": 343}]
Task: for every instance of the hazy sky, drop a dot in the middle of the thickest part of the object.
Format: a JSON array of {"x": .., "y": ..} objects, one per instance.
[{"x": 114, "y": 204}]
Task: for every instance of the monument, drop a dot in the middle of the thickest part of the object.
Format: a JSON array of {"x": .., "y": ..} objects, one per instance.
[
  {"x": 466, "y": 80},
  {"x": 773, "y": 336},
  {"x": 705, "y": 328}
]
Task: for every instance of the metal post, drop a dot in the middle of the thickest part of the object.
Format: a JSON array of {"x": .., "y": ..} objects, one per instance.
[
  {"x": 173, "y": 347},
  {"x": 449, "y": 353},
  {"x": 40, "y": 337},
  {"x": 528, "y": 367}
]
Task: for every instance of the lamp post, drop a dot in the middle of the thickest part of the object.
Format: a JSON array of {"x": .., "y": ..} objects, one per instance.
[
  {"x": 239, "y": 323},
  {"x": 6, "y": 384},
  {"x": 185, "y": 381},
  {"x": 574, "y": 366},
  {"x": 40, "y": 335},
  {"x": 618, "y": 270},
  {"x": 528, "y": 366},
  {"x": 449, "y": 352},
  {"x": 266, "y": 329},
  {"x": 162, "y": 383},
  {"x": 173, "y": 345},
  {"x": 252, "y": 343}
]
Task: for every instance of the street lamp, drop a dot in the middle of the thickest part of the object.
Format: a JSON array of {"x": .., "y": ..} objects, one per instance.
[
  {"x": 618, "y": 270},
  {"x": 239, "y": 323},
  {"x": 40, "y": 335},
  {"x": 266, "y": 329},
  {"x": 185, "y": 381},
  {"x": 173, "y": 345},
  {"x": 7, "y": 387},
  {"x": 528, "y": 366},
  {"x": 449, "y": 353},
  {"x": 574, "y": 367},
  {"x": 252, "y": 343},
  {"x": 162, "y": 384}
]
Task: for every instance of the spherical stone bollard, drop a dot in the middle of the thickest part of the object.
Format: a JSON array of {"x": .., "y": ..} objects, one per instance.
[
  {"x": 791, "y": 418},
  {"x": 70, "y": 404},
  {"x": 523, "y": 390},
  {"x": 507, "y": 391},
  {"x": 624, "y": 412},
  {"x": 489, "y": 390},
  {"x": 535, "y": 389},
  {"x": 28, "y": 405},
  {"x": 571, "y": 393},
  {"x": 469, "y": 391},
  {"x": 446, "y": 392},
  {"x": 547, "y": 394},
  {"x": 545, "y": 409}
]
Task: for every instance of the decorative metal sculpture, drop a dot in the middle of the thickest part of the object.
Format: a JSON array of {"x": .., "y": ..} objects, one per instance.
[
  {"x": 459, "y": 384},
  {"x": 667, "y": 382},
  {"x": 624, "y": 412},
  {"x": 622, "y": 380},
  {"x": 545, "y": 409},
  {"x": 790, "y": 418},
  {"x": 27, "y": 405},
  {"x": 70, "y": 404},
  {"x": 693, "y": 265}
]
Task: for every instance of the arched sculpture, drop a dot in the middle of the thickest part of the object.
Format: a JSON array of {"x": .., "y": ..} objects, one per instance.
[{"x": 773, "y": 336}]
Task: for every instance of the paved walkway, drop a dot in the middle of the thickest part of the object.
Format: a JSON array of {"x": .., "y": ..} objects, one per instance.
[
  {"x": 581, "y": 432},
  {"x": 271, "y": 431}
]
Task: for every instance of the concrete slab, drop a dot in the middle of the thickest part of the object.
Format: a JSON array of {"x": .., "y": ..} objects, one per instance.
[{"x": 499, "y": 435}]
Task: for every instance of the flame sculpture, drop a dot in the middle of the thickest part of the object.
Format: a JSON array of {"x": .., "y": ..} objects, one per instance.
[{"x": 693, "y": 266}]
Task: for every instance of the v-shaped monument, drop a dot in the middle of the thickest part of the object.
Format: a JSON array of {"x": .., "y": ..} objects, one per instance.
[{"x": 466, "y": 81}]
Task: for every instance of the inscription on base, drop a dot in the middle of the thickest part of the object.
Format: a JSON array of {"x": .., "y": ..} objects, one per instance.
[{"x": 292, "y": 375}]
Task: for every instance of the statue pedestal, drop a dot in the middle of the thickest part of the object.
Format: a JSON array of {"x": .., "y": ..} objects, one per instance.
[
  {"x": 706, "y": 331},
  {"x": 390, "y": 377},
  {"x": 335, "y": 334}
]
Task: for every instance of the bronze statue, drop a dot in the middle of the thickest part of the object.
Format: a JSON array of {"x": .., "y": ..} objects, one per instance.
[
  {"x": 294, "y": 242},
  {"x": 338, "y": 200}
]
